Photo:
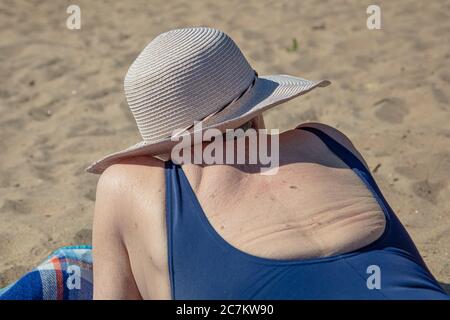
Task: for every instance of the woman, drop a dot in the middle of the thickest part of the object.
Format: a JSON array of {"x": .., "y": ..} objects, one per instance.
[{"x": 318, "y": 228}]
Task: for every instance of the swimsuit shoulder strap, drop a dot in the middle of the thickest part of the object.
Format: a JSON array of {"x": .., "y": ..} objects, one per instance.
[{"x": 343, "y": 153}]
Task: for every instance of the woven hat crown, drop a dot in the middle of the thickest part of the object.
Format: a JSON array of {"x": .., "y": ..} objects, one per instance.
[{"x": 183, "y": 76}]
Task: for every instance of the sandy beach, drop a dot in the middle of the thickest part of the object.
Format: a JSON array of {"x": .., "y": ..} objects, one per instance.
[{"x": 62, "y": 104}]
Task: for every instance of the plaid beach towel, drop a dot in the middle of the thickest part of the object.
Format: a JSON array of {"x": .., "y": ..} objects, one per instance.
[{"x": 65, "y": 275}]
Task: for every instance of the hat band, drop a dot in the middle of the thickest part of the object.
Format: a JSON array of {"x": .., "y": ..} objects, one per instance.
[{"x": 240, "y": 96}]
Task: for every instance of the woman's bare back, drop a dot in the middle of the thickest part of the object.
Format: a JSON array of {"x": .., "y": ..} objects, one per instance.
[{"x": 315, "y": 206}]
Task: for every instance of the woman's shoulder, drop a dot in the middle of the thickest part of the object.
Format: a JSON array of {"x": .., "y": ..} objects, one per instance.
[
  {"x": 131, "y": 169},
  {"x": 333, "y": 133},
  {"x": 122, "y": 184},
  {"x": 129, "y": 191}
]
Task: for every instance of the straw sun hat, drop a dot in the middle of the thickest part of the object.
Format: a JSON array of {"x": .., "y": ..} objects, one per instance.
[{"x": 196, "y": 74}]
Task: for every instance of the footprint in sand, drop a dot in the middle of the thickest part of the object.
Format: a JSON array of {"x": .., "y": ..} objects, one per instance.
[
  {"x": 392, "y": 110},
  {"x": 427, "y": 190},
  {"x": 16, "y": 206},
  {"x": 55, "y": 71},
  {"x": 40, "y": 114},
  {"x": 38, "y": 251},
  {"x": 44, "y": 111}
]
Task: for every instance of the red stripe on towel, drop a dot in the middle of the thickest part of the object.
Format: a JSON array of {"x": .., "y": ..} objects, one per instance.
[{"x": 59, "y": 278}]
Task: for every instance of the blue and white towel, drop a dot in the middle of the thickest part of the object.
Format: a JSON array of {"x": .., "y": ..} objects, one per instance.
[{"x": 64, "y": 275}]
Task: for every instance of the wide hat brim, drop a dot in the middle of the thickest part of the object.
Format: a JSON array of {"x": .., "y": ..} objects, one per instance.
[{"x": 267, "y": 92}]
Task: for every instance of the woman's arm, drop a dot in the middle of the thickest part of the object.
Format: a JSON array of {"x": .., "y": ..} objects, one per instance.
[{"x": 113, "y": 277}]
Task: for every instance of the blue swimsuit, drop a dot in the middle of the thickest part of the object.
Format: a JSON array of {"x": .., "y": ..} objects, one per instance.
[{"x": 202, "y": 265}]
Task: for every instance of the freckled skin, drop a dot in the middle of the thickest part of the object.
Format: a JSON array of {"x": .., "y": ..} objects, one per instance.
[{"x": 313, "y": 207}]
